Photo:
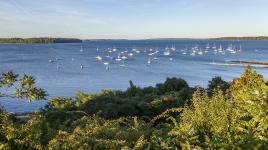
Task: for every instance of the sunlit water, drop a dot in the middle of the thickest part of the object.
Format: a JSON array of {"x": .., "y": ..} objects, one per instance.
[{"x": 64, "y": 77}]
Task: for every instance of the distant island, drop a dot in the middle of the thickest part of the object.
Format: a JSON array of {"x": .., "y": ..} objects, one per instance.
[
  {"x": 46, "y": 40},
  {"x": 172, "y": 39},
  {"x": 94, "y": 40},
  {"x": 39, "y": 40},
  {"x": 242, "y": 38}
]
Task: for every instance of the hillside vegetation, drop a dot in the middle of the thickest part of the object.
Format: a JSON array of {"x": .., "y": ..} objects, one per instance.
[
  {"x": 172, "y": 115},
  {"x": 242, "y": 38},
  {"x": 39, "y": 40}
]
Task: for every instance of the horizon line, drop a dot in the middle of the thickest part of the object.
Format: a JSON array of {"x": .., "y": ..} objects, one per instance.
[{"x": 151, "y": 38}]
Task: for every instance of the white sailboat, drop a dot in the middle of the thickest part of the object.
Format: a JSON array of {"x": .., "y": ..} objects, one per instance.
[
  {"x": 106, "y": 65},
  {"x": 173, "y": 48},
  {"x": 240, "y": 49},
  {"x": 114, "y": 49},
  {"x": 167, "y": 52},
  {"x": 208, "y": 47},
  {"x": 200, "y": 53},
  {"x": 123, "y": 64},
  {"x": 124, "y": 57},
  {"x": 81, "y": 49},
  {"x": 98, "y": 57},
  {"x": 214, "y": 46},
  {"x": 193, "y": 53},
  {"x": 51, "y": 61},
  {"x": 220, "y": 48},
  {"x": 149, "y": 61}
]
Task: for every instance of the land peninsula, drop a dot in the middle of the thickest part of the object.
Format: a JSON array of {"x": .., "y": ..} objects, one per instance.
[{"x": 42, "y": 40}]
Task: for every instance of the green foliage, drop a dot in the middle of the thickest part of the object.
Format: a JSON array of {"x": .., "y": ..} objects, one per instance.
[
  {"x": 206, "y": 121},
  {"x": 8, "y": 79},
  {"x": 171, "y": 84},
  {"x": 250, "y": 97},
  {"x": 96, "y": 133},
  {"x": 235, "y": 120},
  {"x": 135, "y": 101},
  {"x": 61, "y": 103},
  {"x": 26, "y": 88},
  {"x": 167, "y": 116},
  {"x": 217, "y": 82}
]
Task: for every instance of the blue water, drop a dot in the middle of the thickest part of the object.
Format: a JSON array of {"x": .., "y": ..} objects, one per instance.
[{"x": 65, "y": 77}]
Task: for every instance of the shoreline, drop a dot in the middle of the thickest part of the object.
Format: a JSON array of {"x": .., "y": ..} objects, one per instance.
[{"x": 265, "y": 64}]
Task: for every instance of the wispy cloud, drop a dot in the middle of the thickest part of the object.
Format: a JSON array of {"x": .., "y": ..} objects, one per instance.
[{"x": 130, "y": 17}]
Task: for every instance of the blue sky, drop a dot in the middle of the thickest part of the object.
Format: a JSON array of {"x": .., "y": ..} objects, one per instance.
[{"x": 133, "y": 19}]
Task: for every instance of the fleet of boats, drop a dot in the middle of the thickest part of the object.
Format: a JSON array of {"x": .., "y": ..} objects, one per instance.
[
  {"x": 197, "y": 50},
  {"x": 121, "y": 56}
]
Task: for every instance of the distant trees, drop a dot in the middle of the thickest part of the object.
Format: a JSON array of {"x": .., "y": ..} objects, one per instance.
[
  {"x": 40, "y": 40},
  {"x": 242, "y": 38}
]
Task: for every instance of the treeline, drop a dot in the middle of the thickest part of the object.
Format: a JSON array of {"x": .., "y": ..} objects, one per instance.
[
  {"x": 242, "y": 38},
  {"x": 39, "y": 40},
  {"x": 171, "y": 115}
]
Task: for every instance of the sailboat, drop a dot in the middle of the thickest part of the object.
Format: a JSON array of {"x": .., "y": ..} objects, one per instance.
[
  {"x": 114, "y": 49},
  {"x": 81, "y": 49},
  {"x": 208, "y": 47},
  {"x": 51, "y": 61},
  {"x": 166, "y": 52},
  {"x": 106, "y": 65},
  {"x": 173, "y": 48},
  {"x": 200, "y": 52},
  {"x": 118, "y": 58},
  {"x": 110, "y": 50},
  {"x": 233, "y": 49},
  {"x": 214, "y": 46},
  {"x": 240, "y": 49},
  {"x": 123, "y": 64},
  {"x": 124, "y": 57},
  {"x": 149, "y": 62},
  {"x": 213, "y": 62},
  {"x": 130, "y": 54},
  {"x": 220, "y": 48},
  {"x": 193, "y": 53},
  {"x": 98, "y": 57}
]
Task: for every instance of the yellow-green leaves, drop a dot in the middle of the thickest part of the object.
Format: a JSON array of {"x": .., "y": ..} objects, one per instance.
[
  {"x": 8, "y": 79},
  {"x": 249, "y": 93},
  {"x": 24, "y": 89}
]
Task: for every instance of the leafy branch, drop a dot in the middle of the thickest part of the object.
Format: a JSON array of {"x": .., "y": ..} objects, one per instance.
[{"x": 24, "y": 87}]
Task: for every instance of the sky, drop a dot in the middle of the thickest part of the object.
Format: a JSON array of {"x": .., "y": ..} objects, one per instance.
[{"x": 133, "y": 19}]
